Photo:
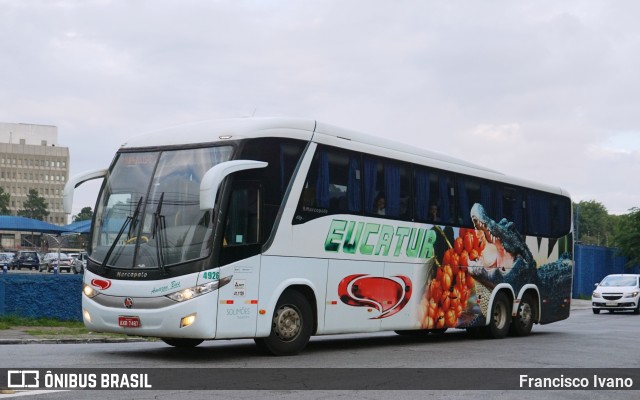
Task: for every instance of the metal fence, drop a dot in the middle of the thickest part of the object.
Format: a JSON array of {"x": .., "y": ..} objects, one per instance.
[{"x": 592, "y": 263}]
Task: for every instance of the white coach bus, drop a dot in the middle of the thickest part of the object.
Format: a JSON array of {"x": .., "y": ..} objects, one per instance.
[{"x": 280, "y": 229}]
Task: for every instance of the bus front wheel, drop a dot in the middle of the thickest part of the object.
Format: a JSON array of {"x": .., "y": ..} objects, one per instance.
[
  {"x": 291, "y": 326},
  {"x": 500, "y": 317}
]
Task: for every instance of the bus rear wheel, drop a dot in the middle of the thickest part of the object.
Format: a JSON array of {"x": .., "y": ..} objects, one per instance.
[
  {"x": 291, "y": 326},
  {"x": 500, "y": 317},
  {"x": 522, "y": 324},
  {"x": 182, "y": 342}
]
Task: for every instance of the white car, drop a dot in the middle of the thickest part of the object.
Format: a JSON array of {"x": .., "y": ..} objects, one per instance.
[
  {"x": 79, "y": 262},
  {"x": 617, "y": 293},
  {"x": 5, "y": 260}
]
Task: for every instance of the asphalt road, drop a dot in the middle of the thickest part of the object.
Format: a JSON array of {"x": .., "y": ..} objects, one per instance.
[{"x": 584, "y": 340}]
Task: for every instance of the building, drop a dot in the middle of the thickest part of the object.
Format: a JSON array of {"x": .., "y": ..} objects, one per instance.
[{"x": 30, "y": 158}]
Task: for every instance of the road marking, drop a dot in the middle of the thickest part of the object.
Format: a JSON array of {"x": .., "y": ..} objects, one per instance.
[{"x": 22, "y": 393}]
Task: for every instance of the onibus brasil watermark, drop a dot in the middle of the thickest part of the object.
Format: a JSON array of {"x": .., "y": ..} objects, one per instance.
[{"x": 32, "y": 379}]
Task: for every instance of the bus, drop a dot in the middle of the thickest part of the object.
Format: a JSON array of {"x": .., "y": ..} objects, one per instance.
[{"x": 279, "y": 229}]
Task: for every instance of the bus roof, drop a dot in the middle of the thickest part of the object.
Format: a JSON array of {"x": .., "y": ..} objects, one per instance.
[
  {"x": 305, "y": 129},
  {"x": 224, "y": 129}
]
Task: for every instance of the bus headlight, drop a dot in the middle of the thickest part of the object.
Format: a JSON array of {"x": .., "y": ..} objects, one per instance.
[
  {"x": 190, "y": 293},
  {"x": 89, "y": 291}
]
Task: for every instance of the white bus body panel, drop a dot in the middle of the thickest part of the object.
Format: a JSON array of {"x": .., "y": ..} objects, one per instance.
[
  {"x": 238, "y": 300},
  {"x": 341, "y": 317},
  {"x": 279, "y": 273},
  {"x": 157, "y": 322}
]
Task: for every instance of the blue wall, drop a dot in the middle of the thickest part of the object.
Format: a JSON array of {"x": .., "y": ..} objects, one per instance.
[
  {"x": 41, "y": 295},
  {"x": 592, "y": 263}
]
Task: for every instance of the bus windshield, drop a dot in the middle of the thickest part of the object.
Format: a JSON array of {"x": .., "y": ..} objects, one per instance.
[{"x": 148, "y": 215}]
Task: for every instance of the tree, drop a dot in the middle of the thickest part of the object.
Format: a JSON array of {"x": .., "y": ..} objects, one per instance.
[
  {"x": 594, "y": 225},
  {"x": 4, "y": 202},
  {"x": 83, "y": 215},
  {"x": 627, "y": 236},
  {"x": 35, "y": 207}
]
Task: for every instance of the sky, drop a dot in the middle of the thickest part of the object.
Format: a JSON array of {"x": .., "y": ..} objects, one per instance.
[{"x": 544, "y": 90}]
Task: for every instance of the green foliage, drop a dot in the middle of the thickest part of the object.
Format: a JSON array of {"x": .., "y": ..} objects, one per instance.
[
  {"x": 4, "y": 202},
  {"x": 627, "y": 236},
  {"x": 35, "y": 207},
  {"x": 594, "y": 225},
  {"x": 83, "y": 215},
  {"x": 7, "y": 322}
]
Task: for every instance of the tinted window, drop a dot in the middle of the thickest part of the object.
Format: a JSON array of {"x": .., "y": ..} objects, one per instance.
[
  {"x": 282, "y": 156},
  {"x": 333, "y": 185},
  {"x": 386, "y": 188},
  {"x": 469, "y": 192}
]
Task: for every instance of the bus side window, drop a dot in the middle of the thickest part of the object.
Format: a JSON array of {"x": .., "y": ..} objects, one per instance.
[
  {"x": 538, "y": 214},
  {"x": 332, "y": 185},
  {"x": 469, "y": 192},
  {"x": 386, "y": 188},
  {"x": 242, "y": 225},
  {"x": 560, "y": 216},
  {"x": 241, "y": 237},
  {"x": 509, "y": 205}
]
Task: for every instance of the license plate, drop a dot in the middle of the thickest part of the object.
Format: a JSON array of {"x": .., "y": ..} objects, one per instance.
[
  {"x": 129, "y": 322},
  {"x": 612, "y": 304}
]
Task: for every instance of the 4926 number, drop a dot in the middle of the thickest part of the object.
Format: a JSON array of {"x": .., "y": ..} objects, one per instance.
[{"x": 214, "y": 275}]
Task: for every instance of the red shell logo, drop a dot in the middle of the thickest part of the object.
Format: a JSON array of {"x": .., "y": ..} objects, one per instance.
[
  {"x": 388, "y": 295},
  {"x": 101, "y": 284}
]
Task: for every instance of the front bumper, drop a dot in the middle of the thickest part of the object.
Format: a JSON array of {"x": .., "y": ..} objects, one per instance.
[
  {"x": 158, "y": 316},
  {"x": 620, "y": 304}
]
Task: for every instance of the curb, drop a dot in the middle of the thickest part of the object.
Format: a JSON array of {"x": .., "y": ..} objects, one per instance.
[{"x": 71, "y": 341}]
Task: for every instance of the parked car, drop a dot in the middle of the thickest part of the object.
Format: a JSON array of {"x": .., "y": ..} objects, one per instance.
[
  {"x": 5, "y": 260},
  {"x": 619, "y": 292},
  {"x": 50, "y": 261},
  {"x": 79, "y": 262},
  {"x": 26, "y": 259}
]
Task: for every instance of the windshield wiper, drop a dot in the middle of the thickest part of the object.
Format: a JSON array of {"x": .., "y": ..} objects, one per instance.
[
  {"x": 131, "y": 220},
  {"x": 159, "y": 233}
]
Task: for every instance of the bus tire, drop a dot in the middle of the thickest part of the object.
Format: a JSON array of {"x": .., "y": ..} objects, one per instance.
[
  {"x": 182, "y": 342},
  {"x": 499, "y": 318},
  {"x": 527, "y": 312},
  {"x": 291, "y": 326}
]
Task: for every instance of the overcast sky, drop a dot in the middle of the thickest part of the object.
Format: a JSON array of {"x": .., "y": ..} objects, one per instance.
[{"x": 543, "y": 90}]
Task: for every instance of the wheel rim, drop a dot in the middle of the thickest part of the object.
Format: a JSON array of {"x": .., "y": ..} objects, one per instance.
[
  {"x": 526, "y": 315},
  {"x": 500, "y": 316},
  {"x": 287, "y": 323}
]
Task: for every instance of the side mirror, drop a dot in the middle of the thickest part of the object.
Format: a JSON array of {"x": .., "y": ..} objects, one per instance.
[
  {"x": 74, "y": 182},
  {"x": 213, "y": 178}
]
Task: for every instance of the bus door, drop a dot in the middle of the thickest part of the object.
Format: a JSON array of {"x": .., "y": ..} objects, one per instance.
[{"x": 240, "y": 260}]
